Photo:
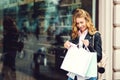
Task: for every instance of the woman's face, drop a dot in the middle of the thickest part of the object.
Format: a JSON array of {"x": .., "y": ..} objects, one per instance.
[{"x": 81, "y": 24}]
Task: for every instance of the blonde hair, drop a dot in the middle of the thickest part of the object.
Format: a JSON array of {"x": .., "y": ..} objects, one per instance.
[{"x": 80, "y": 13}]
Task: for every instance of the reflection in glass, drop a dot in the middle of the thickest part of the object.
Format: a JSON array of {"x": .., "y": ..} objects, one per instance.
[{"x": 48, "y": 27}]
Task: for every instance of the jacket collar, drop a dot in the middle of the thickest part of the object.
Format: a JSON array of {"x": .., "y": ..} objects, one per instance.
[{"x": 88, "y": 36}]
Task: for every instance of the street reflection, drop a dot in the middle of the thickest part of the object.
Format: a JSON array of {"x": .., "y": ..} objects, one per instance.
[{"x": 44, "y": 25}]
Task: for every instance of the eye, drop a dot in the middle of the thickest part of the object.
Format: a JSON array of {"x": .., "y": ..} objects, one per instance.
[
  {"x": 77, "y": 23},
  {"x": 81, "y": 22}
]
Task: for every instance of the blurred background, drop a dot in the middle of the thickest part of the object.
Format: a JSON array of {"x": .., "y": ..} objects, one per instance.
[{"x": 48, "y": 25}]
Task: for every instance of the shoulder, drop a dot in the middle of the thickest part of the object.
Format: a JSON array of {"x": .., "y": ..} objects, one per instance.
[{"x": 97, "y": 35}]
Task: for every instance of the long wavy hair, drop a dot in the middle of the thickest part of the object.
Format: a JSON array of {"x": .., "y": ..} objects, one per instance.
[{"x": 80, "y": 13}]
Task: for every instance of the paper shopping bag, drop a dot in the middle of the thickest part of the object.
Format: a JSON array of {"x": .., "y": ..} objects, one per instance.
[
  {"x": 92, "y": 69},
  {"x": 77, "y": 60}
]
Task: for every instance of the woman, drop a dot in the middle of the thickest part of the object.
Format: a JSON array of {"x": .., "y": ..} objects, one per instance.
[
  {"x": 84, "y": 34},
  {"x": 10, "y": 44}
]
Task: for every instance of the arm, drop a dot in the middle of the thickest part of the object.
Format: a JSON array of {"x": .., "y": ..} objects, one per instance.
[{"x": 98, "y": 46}]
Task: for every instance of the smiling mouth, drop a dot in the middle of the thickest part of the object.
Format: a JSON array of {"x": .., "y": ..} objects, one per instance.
[{"x": 81, "y": 27}]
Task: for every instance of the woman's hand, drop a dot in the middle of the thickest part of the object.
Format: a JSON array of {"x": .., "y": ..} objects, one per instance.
[
  {"x": 86, "y": 42},
  {"x": 67, "y": 44}
]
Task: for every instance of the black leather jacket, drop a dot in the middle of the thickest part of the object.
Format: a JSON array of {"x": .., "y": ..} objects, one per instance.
[{"x": 95, "y": 44}]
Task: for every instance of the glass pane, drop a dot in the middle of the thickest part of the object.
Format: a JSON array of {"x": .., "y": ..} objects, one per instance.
[{"x": 47, "y": 26}]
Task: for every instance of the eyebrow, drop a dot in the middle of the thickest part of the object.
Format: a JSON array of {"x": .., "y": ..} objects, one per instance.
[{"x": 79, "y": 22}]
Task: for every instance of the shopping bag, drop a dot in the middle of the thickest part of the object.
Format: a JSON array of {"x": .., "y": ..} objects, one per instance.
[
  {"x": 92, "y": 69},
  {"x": 78, "y": 60}
]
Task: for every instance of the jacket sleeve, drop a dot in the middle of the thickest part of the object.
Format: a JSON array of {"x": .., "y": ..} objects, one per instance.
[{"x": 96, "y": 46}]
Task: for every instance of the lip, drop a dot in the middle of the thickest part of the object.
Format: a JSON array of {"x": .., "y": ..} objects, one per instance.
[{"x": 82, "y": 27}]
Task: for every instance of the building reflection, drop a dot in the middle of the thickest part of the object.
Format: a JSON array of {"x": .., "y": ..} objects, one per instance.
[{"x": 52, "y": 19}]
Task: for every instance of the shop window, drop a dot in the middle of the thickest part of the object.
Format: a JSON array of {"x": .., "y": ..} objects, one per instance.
[{"x": 53, "y": 20}]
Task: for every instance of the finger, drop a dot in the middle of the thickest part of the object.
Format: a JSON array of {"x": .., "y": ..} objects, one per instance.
[{"x": 82, "y": 40}]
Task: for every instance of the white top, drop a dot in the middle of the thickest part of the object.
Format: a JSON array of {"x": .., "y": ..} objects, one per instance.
[{"x": 82, "y": 37}]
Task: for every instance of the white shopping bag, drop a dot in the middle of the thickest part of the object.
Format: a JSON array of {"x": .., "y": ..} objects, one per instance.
[{"x": 78, "y": 61}]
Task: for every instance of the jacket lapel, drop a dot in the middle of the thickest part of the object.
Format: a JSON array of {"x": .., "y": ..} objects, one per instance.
[{"x": 88, "y": 37}]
